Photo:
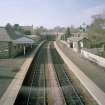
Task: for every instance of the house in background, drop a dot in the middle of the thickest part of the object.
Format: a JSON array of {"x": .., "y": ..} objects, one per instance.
[
  {"x": 78, "y": 41},
  {"x": 11, "y": 44},
  {"x": 28, "y": 29}
]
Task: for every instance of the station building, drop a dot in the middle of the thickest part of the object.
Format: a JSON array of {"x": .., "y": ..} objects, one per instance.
[
  {"x": 78, "y": 41},
  {"x": 28, "y": 28},
  {"x": 11, "y": 44}
]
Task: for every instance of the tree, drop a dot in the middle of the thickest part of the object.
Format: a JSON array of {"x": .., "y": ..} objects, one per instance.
[
  {"x": 16, "y": 26},
  {"x": 96, "y": 31},
  {"x": 11, "y": 31},
  {"x": 9, "y": 28},
  {"x": 68, "y": 33},
  {"x": 82, "y": 29}
]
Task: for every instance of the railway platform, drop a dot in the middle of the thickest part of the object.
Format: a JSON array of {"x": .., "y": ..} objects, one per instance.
[
  {"x": 10, "y": 94},
  {"x": 91, "y": 75}
]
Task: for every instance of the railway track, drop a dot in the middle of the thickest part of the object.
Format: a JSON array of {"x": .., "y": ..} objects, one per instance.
[
  {"x": 70, "y": 94},
  {"x": 33, "y": 91},
  {"x": 38, "y": 86},
  {"x": 38, "y": 82},
  {"x": 54, "y": 92}
]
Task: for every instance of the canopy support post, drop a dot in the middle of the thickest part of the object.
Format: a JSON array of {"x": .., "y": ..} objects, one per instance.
[{"x": 24, "y": 50}]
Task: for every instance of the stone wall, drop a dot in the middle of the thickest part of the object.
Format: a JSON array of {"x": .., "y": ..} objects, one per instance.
[
  {"x": 8, "y": 50},
  {"x": 94, "y": 58},
  {"x": 16, "y": 49},
  {"x": 4, "y": 50}
]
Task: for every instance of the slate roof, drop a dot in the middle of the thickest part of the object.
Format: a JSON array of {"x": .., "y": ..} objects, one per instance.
[
  {"x": 4, "y": 35},
  {"x": 23, "y": 40},
  {"x": 15, "y": 37}
]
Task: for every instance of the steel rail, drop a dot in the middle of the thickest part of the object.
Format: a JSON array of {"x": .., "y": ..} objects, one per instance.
[
  {"x": 32, "y": 82},
  {"x": 38, "y": 79}
]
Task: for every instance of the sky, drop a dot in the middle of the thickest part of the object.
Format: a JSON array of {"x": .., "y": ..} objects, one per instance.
[{"x": 49, "y": 13}]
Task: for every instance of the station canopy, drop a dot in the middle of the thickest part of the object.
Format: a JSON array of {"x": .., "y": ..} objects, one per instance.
[
  {"x": 14, "y": 37},
  {"x": 23, "y": 40}
]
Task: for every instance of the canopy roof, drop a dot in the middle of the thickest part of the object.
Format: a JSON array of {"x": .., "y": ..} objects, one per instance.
[
  {"x": 15, "y": 37},
  {"x": 4, "y": 35},
  {"x": 23, "y": 40}
]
